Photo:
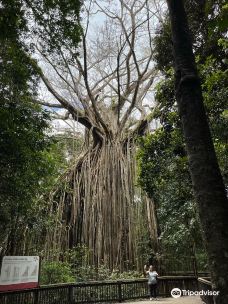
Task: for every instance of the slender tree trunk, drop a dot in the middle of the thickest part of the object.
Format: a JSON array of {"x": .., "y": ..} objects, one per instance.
[{"x": 207, "y": 181}]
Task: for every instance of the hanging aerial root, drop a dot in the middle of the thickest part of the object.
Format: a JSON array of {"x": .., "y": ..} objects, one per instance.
[{"x": 99, "y": 206}]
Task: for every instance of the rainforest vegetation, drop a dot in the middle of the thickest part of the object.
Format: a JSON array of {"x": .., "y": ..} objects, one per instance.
[{"x": 138, "y": 171}]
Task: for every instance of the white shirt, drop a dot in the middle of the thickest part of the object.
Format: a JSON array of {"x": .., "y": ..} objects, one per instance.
[{"x": 152, "y": 277}]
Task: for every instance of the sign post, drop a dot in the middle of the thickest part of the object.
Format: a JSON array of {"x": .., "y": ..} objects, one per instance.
[{"x": 19, "y": 272}]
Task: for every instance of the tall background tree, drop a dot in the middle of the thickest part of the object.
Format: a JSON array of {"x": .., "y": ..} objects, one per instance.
[
  {"x": 207, "y": 181},
  {"x": 164, "y": 169},
  {"x": 27, "y": 167},
  {"x": 199, "y": 147}
]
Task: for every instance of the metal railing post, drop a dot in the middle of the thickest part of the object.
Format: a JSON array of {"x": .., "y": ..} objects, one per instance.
[
  {"x": 36, "y": 296},
  {"x": 70, "y": 294},
  {"x": 120, "y": 291}
]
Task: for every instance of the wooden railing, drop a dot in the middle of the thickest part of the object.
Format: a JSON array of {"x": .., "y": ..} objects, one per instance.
[
  {"x": 96, "y": 292},
  {"x": 205, "y": 285}
]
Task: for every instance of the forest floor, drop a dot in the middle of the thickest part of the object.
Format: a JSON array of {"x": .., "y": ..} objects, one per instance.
[{"x": 182, "y": 300}]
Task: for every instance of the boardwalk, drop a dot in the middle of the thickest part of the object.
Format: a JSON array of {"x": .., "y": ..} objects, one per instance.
[{"x": 182, "y": 300}]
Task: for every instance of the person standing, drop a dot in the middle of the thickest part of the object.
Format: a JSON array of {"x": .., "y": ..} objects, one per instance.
[{"x": 152, "y": 281}]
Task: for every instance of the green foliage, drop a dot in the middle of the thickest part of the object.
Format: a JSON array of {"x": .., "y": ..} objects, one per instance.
[
  {"x": 75, "y": 267},
  {"x": 215, "y": 91},
  {"x": 28, "y": 165},
  {"x": 12, "y": 20},
  {"x": 56, "y": 272},
  {"x": 219, "y": 19},
  {"x": 163, "y": 46},
  {"x": 17, "y": 75},
  {"x": 163, "y": 165},
  {"x": 21, "y": 123},
  {"x": 164, "y": 176},
  {"x": 125, "y": 275},
  {"x": 79, "y": 259},
  {"x": 208, "y": 25},
  {"x": 57, "y": 24},
  {"x": 22, "y": 142}
]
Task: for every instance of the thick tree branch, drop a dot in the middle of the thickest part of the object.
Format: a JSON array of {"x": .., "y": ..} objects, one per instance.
[
  {"x": 76, "y": 113},
  {"x": 48, "y": 104}
]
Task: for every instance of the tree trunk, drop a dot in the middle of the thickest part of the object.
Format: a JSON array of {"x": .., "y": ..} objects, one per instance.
[{"x": 207, "y": 181}]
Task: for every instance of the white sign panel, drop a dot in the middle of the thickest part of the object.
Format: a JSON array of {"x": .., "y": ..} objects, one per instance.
[{"x": 19, "y": 272}]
